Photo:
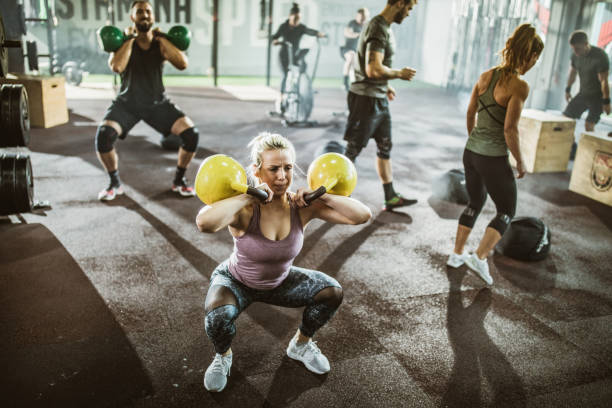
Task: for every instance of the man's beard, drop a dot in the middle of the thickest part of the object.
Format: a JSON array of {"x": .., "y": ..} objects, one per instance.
[
  {"x": 399, "y": 17},
  {"x": 143, "y": 26}
]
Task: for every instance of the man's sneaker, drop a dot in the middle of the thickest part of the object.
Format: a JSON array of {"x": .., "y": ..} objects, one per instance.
[
  {"x": 110, "y": 193},
  {"x": 309, "y": 354},
  {"x": 217, "y": 372},
  {"x": 398, "y": 201},
  {"x": 183, "y": 189},
  {"x": 456, "y": 260},
  {"x": 480, "y": 267}
]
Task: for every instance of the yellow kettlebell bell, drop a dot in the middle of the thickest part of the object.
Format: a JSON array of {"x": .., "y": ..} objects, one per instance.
[
  {"x": 331, "y": 173},
  {"x": 220, "y": 177}
]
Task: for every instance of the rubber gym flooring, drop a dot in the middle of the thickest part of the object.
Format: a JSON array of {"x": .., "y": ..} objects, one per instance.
[{"x": 101, "y": 304}]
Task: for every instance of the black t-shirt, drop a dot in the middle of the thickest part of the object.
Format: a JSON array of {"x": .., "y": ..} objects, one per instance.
[
  {"x": 588, "y": 66},
  {"x": 141, "y": 81},
  {"x": 351, "y": 43},
  {"x": 293, "y": 34}
]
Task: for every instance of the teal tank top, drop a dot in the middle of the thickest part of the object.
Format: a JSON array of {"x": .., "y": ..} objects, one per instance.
[{"x": 487, "y": 138}]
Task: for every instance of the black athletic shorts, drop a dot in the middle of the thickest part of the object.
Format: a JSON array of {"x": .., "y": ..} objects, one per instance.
[
  {"x": 580, "y": 103},
  {"x": 160, "y": 116},
  {"x": 368, "y": 118},
  {"x": 344, "y": 49}
]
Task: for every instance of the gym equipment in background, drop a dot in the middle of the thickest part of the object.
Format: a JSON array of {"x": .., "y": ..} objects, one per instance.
[
  {"x": 451, "y": 187},
  {"x": 14, "y": 116},
  {"x": 527, "y": 239},
  {"x": 16, "y": 183}
]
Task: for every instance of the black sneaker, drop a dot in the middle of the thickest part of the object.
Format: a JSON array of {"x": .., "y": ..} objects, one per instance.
[{"x": 398, "y": 201}]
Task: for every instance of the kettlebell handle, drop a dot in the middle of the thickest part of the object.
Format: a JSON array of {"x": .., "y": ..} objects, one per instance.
[
  {"x": 310, "y": 197},
  {"x": 257, "y": 193}
]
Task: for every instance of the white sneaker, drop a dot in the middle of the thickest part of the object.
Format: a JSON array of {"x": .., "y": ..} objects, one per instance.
[
  {"x": 456, "y": 260},
  {"x": 480, "y": 267},
  {"x": 110, "y": 193},
  {"x": 310, "y": 355},
  {"x": 217, "y": 372}
]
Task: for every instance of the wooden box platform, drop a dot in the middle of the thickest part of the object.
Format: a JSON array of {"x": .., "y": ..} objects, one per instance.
[
  {"x": 47, "y": 99},
  {"x": 546, "y": 141},
  {"x": 592, "y": 173}
]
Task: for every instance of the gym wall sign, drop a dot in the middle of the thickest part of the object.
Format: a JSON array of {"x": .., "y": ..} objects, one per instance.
[
  {"x": 601, "y": 173},
  {"x": 172, "y": 10}
]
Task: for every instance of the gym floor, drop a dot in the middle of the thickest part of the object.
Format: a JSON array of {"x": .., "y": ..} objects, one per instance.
[{"x": 102, "y": 303}]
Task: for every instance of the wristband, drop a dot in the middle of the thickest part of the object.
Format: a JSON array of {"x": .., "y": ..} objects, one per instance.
[
  {"x": 606, "y": 101},
  {"x": 568, "y": 89}
]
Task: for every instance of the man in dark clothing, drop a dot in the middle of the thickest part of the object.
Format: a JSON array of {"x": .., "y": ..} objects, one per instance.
[
  {"x": 351, "y": 39},
  {"x": 592, "y": 65},
  {"x": 292, "y": 31},
  {"x": 140, "y": 62},
  {"x": 369, "y": 115}
]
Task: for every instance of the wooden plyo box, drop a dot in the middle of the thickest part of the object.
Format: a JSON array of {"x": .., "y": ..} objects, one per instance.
[
  {"x": 592, "y": 173},
  {"x": 546, "y": 141},
  {"x": 46, "y": 97}
]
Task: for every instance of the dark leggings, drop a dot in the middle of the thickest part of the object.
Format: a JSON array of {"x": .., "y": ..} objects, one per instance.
[
  {"x": 493, "y": 175},
  {"x": 299, "y": 289}
]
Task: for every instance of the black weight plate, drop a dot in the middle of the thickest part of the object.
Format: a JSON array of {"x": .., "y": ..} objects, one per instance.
[
  {"x": 32, "y": 50},
  {"x": 7, "y": 183},
  {"x": 24, "y": 185},
  {"x": 5, "y": 115},
  {"x": 21, "y": 115},
  {"x": 3, "y": 51}
]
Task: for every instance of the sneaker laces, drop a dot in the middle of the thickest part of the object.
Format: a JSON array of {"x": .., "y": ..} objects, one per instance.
[
  {"x": 218, "y": 364},
  {"x": 311, "y": 347}
]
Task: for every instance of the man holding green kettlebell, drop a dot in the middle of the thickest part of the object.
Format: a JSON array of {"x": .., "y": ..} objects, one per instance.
[{"x": 138, "y": 55}]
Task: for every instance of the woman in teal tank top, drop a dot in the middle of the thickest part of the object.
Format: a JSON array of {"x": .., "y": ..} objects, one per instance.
[{"x": 492, "y": 123}]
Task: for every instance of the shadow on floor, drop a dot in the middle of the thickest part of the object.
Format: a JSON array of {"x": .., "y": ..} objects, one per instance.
[
  {"x": 476, "y": 356},
  {"x": 61, "y": 346}
]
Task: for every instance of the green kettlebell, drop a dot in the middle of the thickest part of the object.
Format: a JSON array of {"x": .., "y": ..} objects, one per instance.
[
  {"x": 110, "y": 38},
  {"x": 180, "y": 36}
]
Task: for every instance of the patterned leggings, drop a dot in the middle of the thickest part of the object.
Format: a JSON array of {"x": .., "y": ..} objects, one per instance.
[{"x": 297, "y": 290}]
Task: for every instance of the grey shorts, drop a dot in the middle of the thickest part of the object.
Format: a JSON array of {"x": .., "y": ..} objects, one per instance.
[
  {"x": 297, "y": 290},
  {"x": 579, "y": 103}
]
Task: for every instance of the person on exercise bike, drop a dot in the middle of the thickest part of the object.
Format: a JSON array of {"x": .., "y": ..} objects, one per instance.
[{"x": 291, "y": 32}]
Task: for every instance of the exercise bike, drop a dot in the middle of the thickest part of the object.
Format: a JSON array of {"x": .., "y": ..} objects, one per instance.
[{"x": 295, "y": 104}]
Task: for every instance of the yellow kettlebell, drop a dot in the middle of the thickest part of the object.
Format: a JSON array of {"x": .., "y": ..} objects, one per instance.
[
  {"x": 331, "y": 173},
  {"x": 220, "y": 177}
]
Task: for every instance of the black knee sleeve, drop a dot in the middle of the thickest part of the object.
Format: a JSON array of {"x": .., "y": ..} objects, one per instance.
[
  {"x": 189, "y": 139},
  {"x": 106, "y": 136},
  {"x": 220, "y": 327},
  {"x": 316, "y": 315},
  {"x": 501, "y": 222},
  {"x": 352, "y": 151},
  {"x": 383, "y": 149},
  {"x": 468, "y": 217}
]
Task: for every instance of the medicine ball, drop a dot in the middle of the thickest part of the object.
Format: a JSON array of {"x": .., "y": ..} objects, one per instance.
[
  {"x": 451, "y": 187},
  {"x": 331, "y": 146},
  {"x": 171, "y": 142},
  {"x": 526, "y": 239}
]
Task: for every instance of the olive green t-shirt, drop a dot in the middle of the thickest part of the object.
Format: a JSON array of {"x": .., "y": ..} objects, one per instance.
[
  {"x": 588, "y": 66},
  {"x": 377, "y": 36}
]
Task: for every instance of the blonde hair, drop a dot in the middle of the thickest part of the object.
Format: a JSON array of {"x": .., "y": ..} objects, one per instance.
[
  {"x": 268, "y": 141},
  {"x": 520, "y": 46}
]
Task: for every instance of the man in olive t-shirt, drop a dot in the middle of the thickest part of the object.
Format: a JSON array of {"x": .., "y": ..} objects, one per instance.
[
  {"x": 591, "y": 65},
  {"x": 370, "y": 92}
]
